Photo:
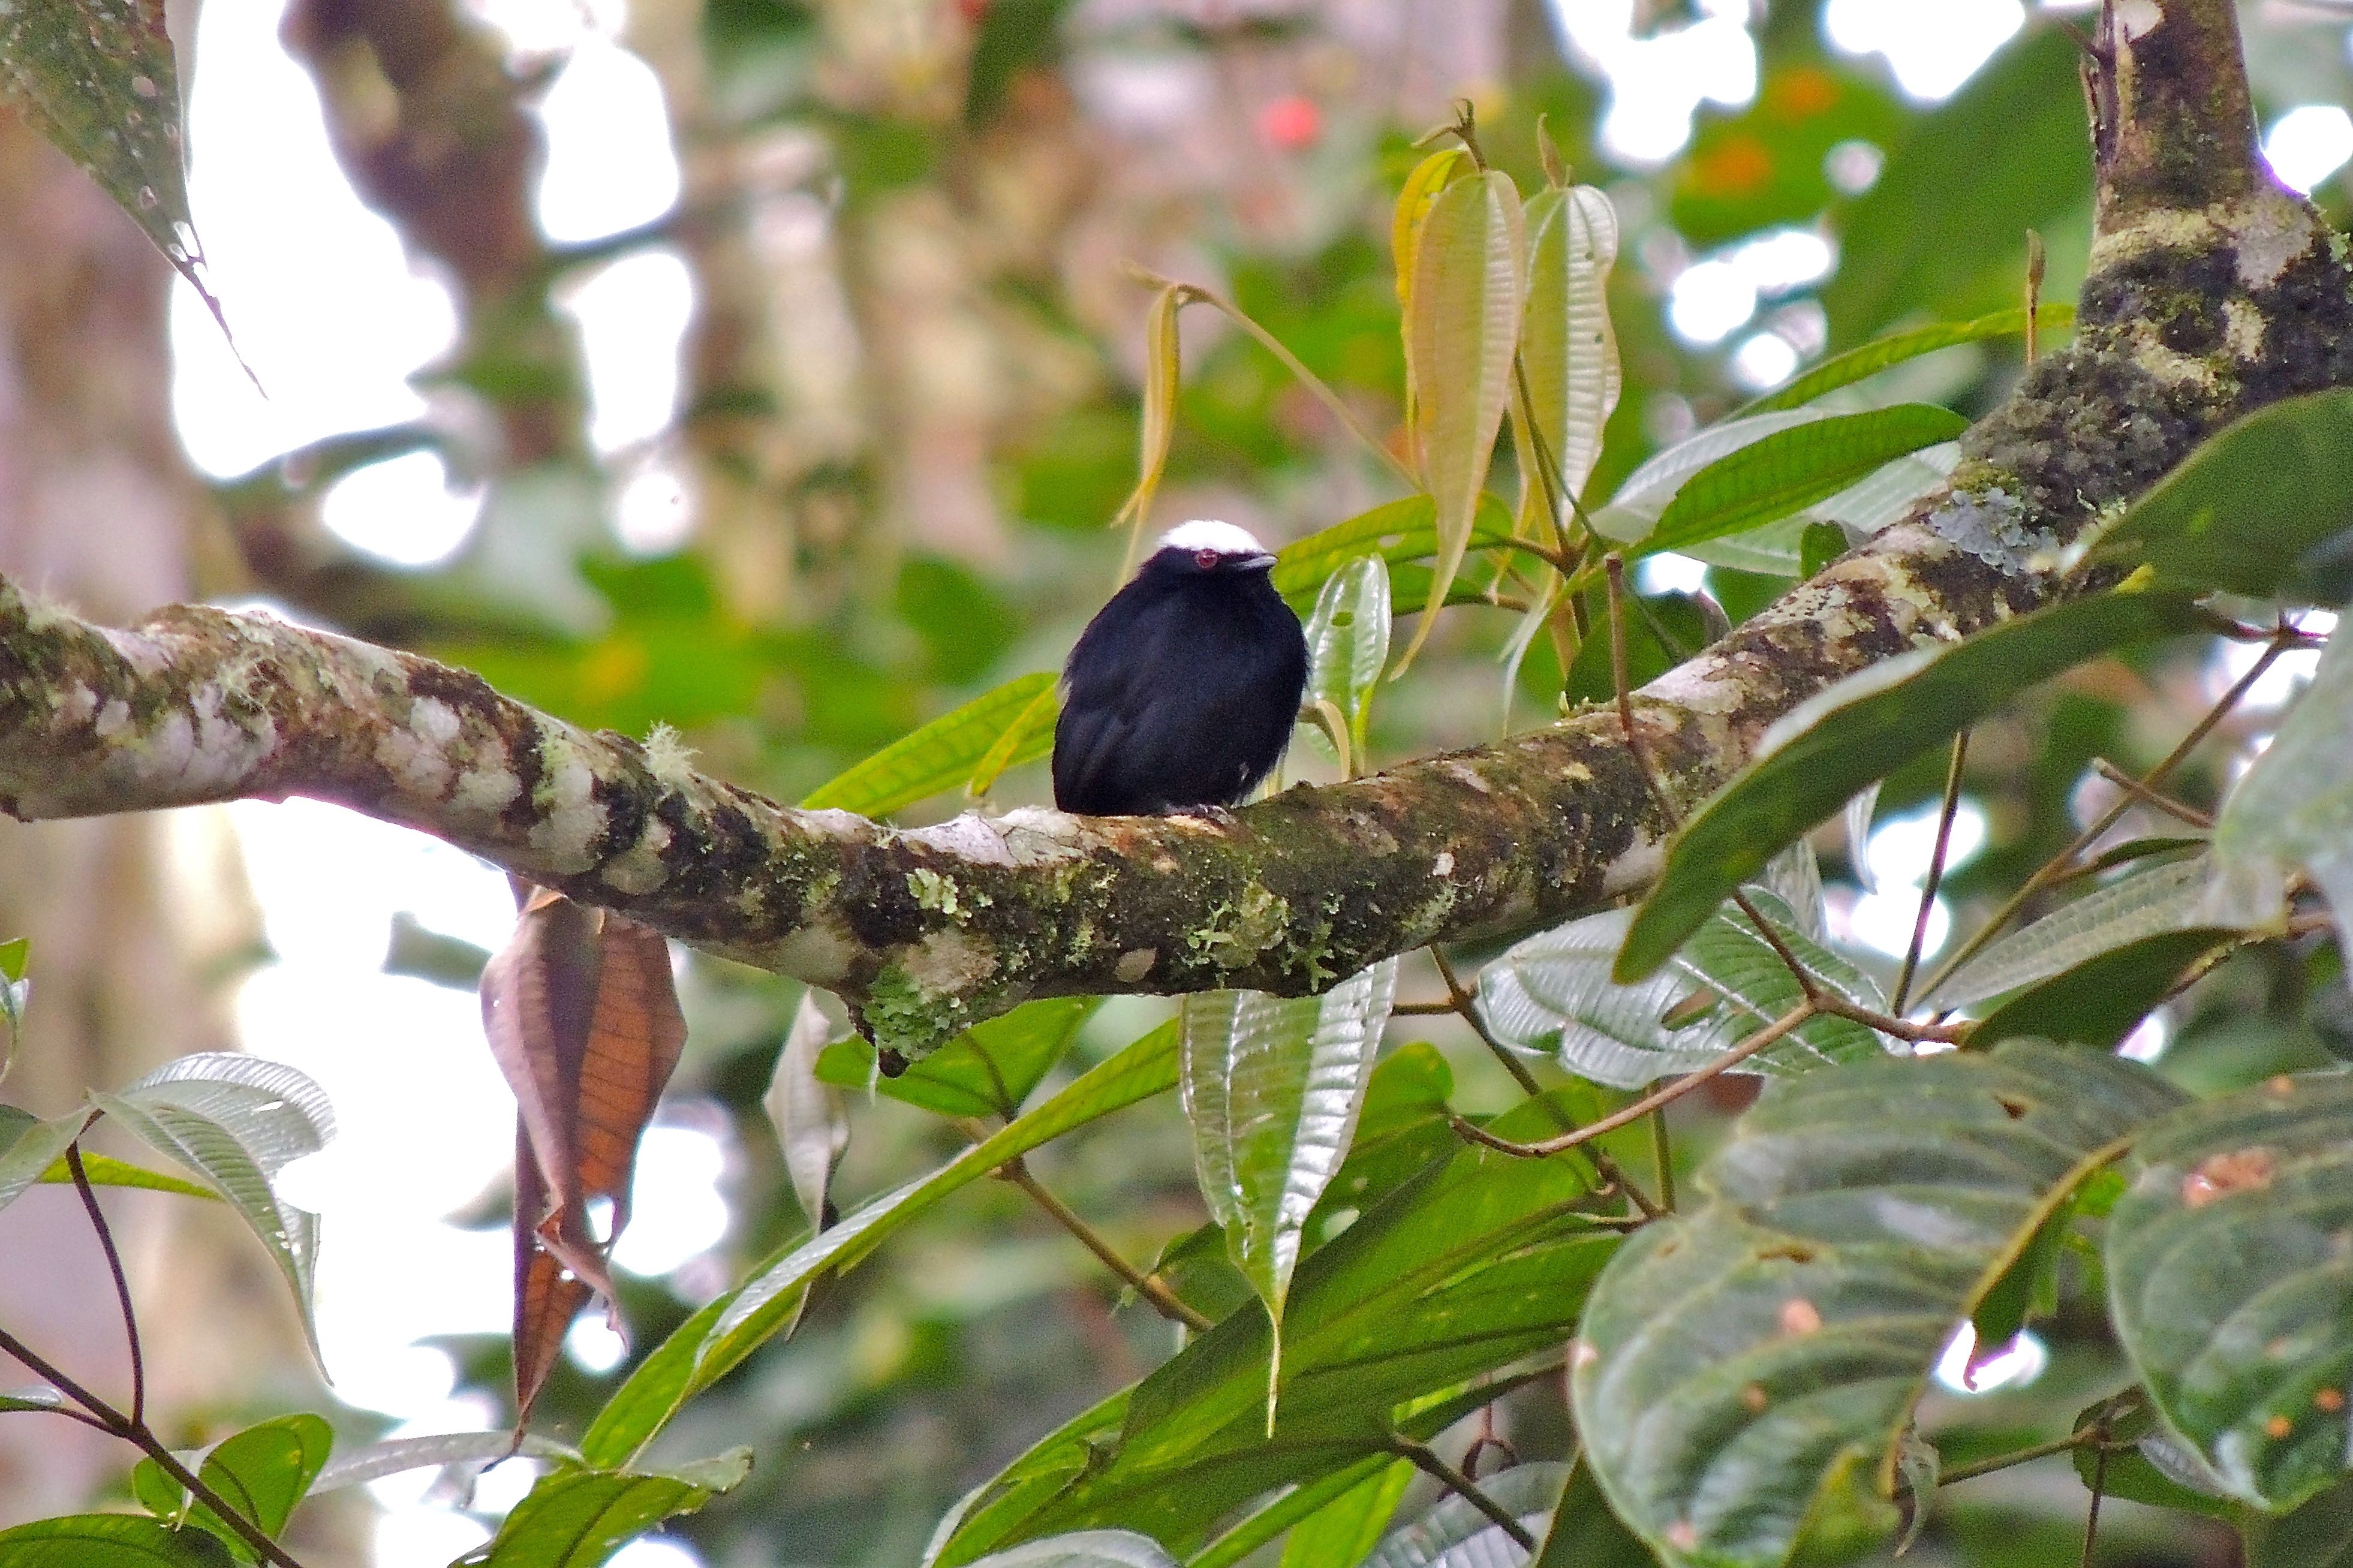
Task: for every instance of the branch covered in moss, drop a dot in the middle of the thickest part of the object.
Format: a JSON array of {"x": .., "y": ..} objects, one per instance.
[{"x": 2213, "y": 291}]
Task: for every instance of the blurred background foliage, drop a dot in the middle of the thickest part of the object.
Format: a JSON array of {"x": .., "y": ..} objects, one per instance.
[{"x": 907, "y": 405}]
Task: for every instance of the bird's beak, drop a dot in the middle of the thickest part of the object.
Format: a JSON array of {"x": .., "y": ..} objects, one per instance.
[{"x": 1261, "y": 562}]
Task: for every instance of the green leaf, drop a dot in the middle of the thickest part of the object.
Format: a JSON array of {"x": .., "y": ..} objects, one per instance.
[
  {"x": 105, "y": 1171},
  {"x": 261, "y": 1473},
  {"x": 1826, "y": 749},
  {"x": 108, "y": 1541},
  {"x": 2145, "y": 1463},
  {"x": 2288, "y": 811},
  {"x": 988, "y": 1071},
  {"x": 1454, "y": 1533},
  {"x": 30, "y": 1147},
  {"x": 1027, "y": 738},
  {"x": 2231, "y": 1289},
  {"x": 98, "y": 79},
  {"x": 1348, "y": 645},
  {"x": 1789, "y": 469},
  {"x": 1863, "y": 508},
  {"x": 1586, "y": 1534},
  {"x": 1745, "y": 1368},
  {"x": 1844, "y": 370},
  {"x": 575, "y": 1519},
  {"x": 1475, "y": 1261},
  {"x": 25, "y": 1400},
  {"x": 1461, "y": 325},
  {"x": 1553, "y": 994},
  {"x": 710, "y": 1343},
  {"x": 2149, "y": 901},
  {"x": 1566, "y": 343},
  {"x": 15, "y": 992},
  {"x": 1633, "y": 513},
  {"x": 1906, "y": 246},
  {"x": 394, "y": 1455},
  {"x": 1398, "y": 531},
  {"x": 1420, "y": 189},
  {"x": 2251, "y": 509},
  {"x": 1346, "y": 1528},
  {"x": 2318, "y": 1535},
  {"x": 2101, "y": 1000},
  {"x": 15, "y": 954},
  {"x": 1084, "y": 1549},
  {"x": 943, "y": 754},
  {"x": 1272, "y": 1087}
]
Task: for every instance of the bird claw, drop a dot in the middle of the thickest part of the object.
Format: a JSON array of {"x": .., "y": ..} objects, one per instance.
[{"x": 1214, "y": 815}]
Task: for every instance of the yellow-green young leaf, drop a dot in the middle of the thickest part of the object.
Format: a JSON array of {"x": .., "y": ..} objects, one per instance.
[
  {"x": 1843, "y": 370},
  {"x": 105, "y": 1171},
  {"x": 1566, "y": 343},
  {"x": 261, "y": 1472},
  {"x": 941, "y": 755},
  {"x": 1429, "y": 176},
  {"x": 575, "y": 1519},
  {"x": 1348, "y": 643},
  {"x": 1161, "y": 366},
  {"x": 1398, "y": 531},
  {"x": 1027, "y": 738},
  {"x": 1461, "y": 328},
  {"x": 1272, "y": 1087}
]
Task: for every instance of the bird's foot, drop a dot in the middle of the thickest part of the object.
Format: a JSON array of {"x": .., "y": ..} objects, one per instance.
[{"x": 1214, "y": 815}]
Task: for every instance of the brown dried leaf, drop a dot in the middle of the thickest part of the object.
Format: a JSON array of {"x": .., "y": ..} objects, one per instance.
[{"x": 584, "y": 1022}]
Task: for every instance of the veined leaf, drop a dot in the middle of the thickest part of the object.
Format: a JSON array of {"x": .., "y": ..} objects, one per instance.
[
  {"x": 1789, "y": 469},
  {"x": 575, "y": 1519},
  {"x": 2288, "y": 811},
  {"x": 30, "y": 1147},
  {"x": 261, "y": 1472},
  {"x": 16, "y": 993},
  {"x": 1084, "y": 1549},
  {"x": 1429, "y": 177},
  {"x": 988, "y": 1071},
  {"x": 2102, "y": 999},
  {"x": 1272, "y": 1087},
  {"x": 2228, "y": 1286},
  {"x": 943, "y": 754},
  {"x": 1634, "y": 511},
  {"x": 1745, "y": 1368},
  {"x": 1348, "y": 645},
  {"x": 237, "y": 1122},
  {"x": 1398, "y": 531},
  {"x": 1456, "y": 1534},
  {"x": 2142, "y": 903},
  {"x": 1161, "y": 371},
  {"x": 1823, "y": 752},
  {"x": 1870, "y": 358},
  {"x": 394, "y": 1455},
  {"x": 1880, "y": 498},
  {"x": 1566, "y": 343},
  {"x": 2258, "y": 509},
  {"x": 106, "y": 1171},
  {"x": 710, "y": 1343},
  {"x": 1461, "y": 326},
  {"x": 1553, "y": 994},
  {"x": 1347, "y": 1527},
  {"x": 115, "y": 1539}
]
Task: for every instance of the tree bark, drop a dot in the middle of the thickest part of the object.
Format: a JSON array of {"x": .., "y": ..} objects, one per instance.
[{"x": 2213, "y": 291}]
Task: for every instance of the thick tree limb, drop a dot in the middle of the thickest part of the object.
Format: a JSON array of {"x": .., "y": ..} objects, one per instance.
[{"x": 2213, "y": 291}]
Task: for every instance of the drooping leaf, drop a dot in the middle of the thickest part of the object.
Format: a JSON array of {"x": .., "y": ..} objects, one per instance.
[
  {"x": 2287, "y": 812},
  {"x": 1566, "y": 343},
  {"x": 1084, "y": 1549},
  {"x": 1786, "y": 470},
  {"x": 113, "y": 1539},
  {"x": 1398, "y": 531},
  {"x": 1746, "y": 1368},
  {"x": 1272, "y": 1087},
  {"x": 2231, "y": 1289},
  {"x": 2259, "y": 509},
  {"x": 1870, "y": 358},
  {"x": 988, "y": 1071},
  {"x": 393, "y": 1456},
  {"x": 1350, "y": 1525},
  {"x": 1552, "y": 993},
  {"x": 98, "y": 78},
  {"x": 261, "y": 1472},
  {"x": 237, "y": 1122},
  {"x": 30, "y": 1147},
  {"x": 710, "y": 1343},
  {"x": 1455, "y": 1533},
  {"x": 812, "y": 1129},
  {"x": 2146, "y": 903},
  {"x": 1461, "y": 325},
  {"x": 575, "y": 1519},
  {"x": 582, "y": 1017},
  {"x": 1471, "y": 1263},
  {"x": 944, "y": 754},
  {"x": 1827, "y": 749},
  {"x": 1348, "y": 645},
  {"x": 1161, "y": 367}
]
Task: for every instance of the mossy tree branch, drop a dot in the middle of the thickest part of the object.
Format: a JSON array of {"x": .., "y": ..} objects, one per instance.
[{"x": 2211, "y": 292}]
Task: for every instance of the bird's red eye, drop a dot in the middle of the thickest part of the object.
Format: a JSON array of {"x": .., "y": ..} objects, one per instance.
[{"x": 1207, "y": 560}]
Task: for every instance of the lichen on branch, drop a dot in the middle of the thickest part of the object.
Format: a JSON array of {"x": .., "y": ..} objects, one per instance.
[{"x": 2211, "y": 292}]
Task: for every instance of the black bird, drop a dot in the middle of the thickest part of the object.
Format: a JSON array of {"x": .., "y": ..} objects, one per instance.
[{"x": 1181, "y": 692}]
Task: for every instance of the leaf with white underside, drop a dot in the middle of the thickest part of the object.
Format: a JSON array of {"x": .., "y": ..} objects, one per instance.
[
  {"x": 237, "y": 1122},
  {"x": 2293, "y": 810},
  {"x": 1553, "y": 994},
  {"x": 1642, "y": 497},
  {"x": 1348, "y": 643},
  {"x": 1870, "y": 504},
  {"x": 1461, "y": 326},
  {"x": 812, "y": 1127},
  {"x": 1455, "y": 1533},
  {"x": 1788, "y": 471},
  {"x": 1566, "y": 343},
  {"x": 1272, "y": 1087},
  {"x": 2168, "y": 897}
]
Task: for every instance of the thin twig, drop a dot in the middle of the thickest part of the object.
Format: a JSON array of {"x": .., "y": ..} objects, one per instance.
[
  {"x": 1668, "y": 1095},
  {"x": 2156, "y": 800},
  {"x": 2282, "y": 640},
  {"x": 2099, "y": 1489},
  {"x": 121, "y": 1282},
  {"x": 136, "y": 1433},
  {"x": 1425, "y": 1460},
  {"x": 1663, "y": 1158},
  {"x": 1166, "y": 1302},
  {"x": 1936, "y": 876},
  {"x": 2019, "y": 1457}
]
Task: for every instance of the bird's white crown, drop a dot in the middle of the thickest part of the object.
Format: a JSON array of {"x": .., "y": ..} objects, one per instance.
[{"x": 1208, "y": 533}]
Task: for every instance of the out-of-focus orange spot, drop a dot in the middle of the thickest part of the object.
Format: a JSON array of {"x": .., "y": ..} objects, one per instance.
[
  {"x": 1740, "y": 165},
  {"x": 1800, "y": 93},
  {"x": 614, "y": 669},
  {"x": 2218, "y": 1176},
  {"x": 1291, "y": 123}
]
